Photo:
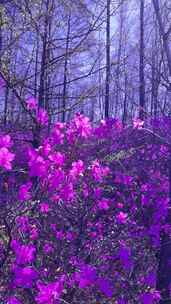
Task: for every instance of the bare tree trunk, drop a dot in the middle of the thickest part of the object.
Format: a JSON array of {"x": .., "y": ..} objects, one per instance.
[
  {"x": 164, "y": 269},
  {"x": 107, "y": 89},
  {"x": 66, "y": 69},
  {"x": 141, "y": 67},
  {"x": 119, "y": 61},
  {"x": 165, "y": 37},
  {"x": 41, "y": 99}
]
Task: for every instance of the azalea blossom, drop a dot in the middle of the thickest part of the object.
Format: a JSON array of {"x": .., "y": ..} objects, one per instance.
[
  {"x": 13, "y": 300},
  {"x": 5, "y": 141},
  {"x": 31, "y": 103},
  {"x": 42, "y": 117},
  {"x": 138, "y": 123},
  {"x": 24, "y": 192},
  {"x": 6, "y": 158},
  {"x": 122, "y": 217}
]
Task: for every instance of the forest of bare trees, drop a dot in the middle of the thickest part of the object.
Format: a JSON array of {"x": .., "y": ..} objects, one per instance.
[{"x": 102, "y": 58}]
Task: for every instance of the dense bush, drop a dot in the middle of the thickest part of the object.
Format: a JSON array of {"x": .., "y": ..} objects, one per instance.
[{"x": 82, "y": 211}]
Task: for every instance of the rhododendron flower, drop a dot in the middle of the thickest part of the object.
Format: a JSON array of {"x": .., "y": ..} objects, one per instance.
[
  {"x": 38, "y": 166},
  {"x": 125, "y": 256},
  {"x": 57, "y": 158},
  {"x": 24, "y": 253},
  {"x": 31, "y": 103},
  {"x": 122, "y": 217},
  {"x": 150, "y": 297},
  {"x": 47, "y": 248},
  {"x": 44, "y": 208},
  {"x": 45, "y": 149},
  {"x": 13, "y": 300},
  {"x": 70, "y": 236},
  {"x": 48, "y": 294},
  {"x": 80, "y": 126},
  {"x": 104, "y": 204},
  {"x": 150, "y": 279},
  {"x": 60, "y": 235},
  {"x": 24, "y": 277},
  {"x": 42, "y": 117},
  {"x": 98, "y": 171},
  {"x": 6, "y": 158},
  {"x": 86, "y": 277},
  {"x": 118, "y": 125},
  {"x": 77, "y": 169},
  {"x": 24, "y": 193},
  {"x": 120, "y": 205},
  {"x": 56, "y": 179},
  {"x": 138, "y": 123},
  {"x": 57, "y": 136},
  {"x": 5, "y": 141},
  {"x": 34, "y": 234},
  {"x": 67, "y": 193},
  {"x": 105, "y": 287},
  {"x": 23, "y": 223},
  {"x": 85, "y": 190}
]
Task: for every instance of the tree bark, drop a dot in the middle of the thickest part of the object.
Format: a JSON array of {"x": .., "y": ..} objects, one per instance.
[
  {"x": 164, "y": 269},
  {"x": 107, "y": 88},
  {"x": 141, "y": 66},
  {"x": 66, "y": 69}
]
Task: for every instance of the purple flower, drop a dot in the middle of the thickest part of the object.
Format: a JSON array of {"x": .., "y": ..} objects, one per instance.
[
  {"x": 86, "y": 277},
  {"x": 49, "y": 293},
  {"x": 24, "y": 277},
  {"x": 13, "y": 300},
  {"x": 122, "y": 217},
  {"x": 104, "y": 204},
  {"x": 24, "y": 253},
  {"x": 6, "y": 158},
  {"x": 31, "y": 103},
  {"x": 105, "y": 287},
  {"x": 5, "y": 141},
  {"x": 24, "y": 193},
  {"x": 42, "y": 117}
]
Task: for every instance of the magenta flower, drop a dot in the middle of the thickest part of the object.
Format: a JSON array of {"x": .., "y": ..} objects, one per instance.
[
  {"x": 31, "y": 103},
  {"x": 13, "y": 300},
  {"x": 24, "y": 253},
  {"x": 24, "y": 193},
  {"x": 44, "y": 208},
  {"x": 98, "y": 171},
  {"x": 80, "y": 126},
  {"x": 57, "y": 158},
  {"x": 104, "y": 204},
  {"x": 42, "y": 117},
  {"x": 57, "y": 135},
  {"x": 23, "y": 223},
  {"x": 67, "y": 193},
  {"x": 49, "y": 293},
  {"x": 77, "y": 169},
  {"x": 105, "y": 287},
  {"x": 138, "y": 123},
  {"x": 34, "y": 233},
  {"x": 5, "y": 141},
  {"x": 125, "y": 256},
  {"x": 6, "y": 158},
  {"x": 24, "y": 277},
  {"x": 122, "y": 217},
  {"x": 86, "y": 277},
  {"x": 38, "y": 166},
  {"x": 47, "y": 248},
  {"x": 147, "y": 298}
]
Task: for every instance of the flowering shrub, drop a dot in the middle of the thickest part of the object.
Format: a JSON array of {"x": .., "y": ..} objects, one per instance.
[{"x": 80, "y": 222}]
